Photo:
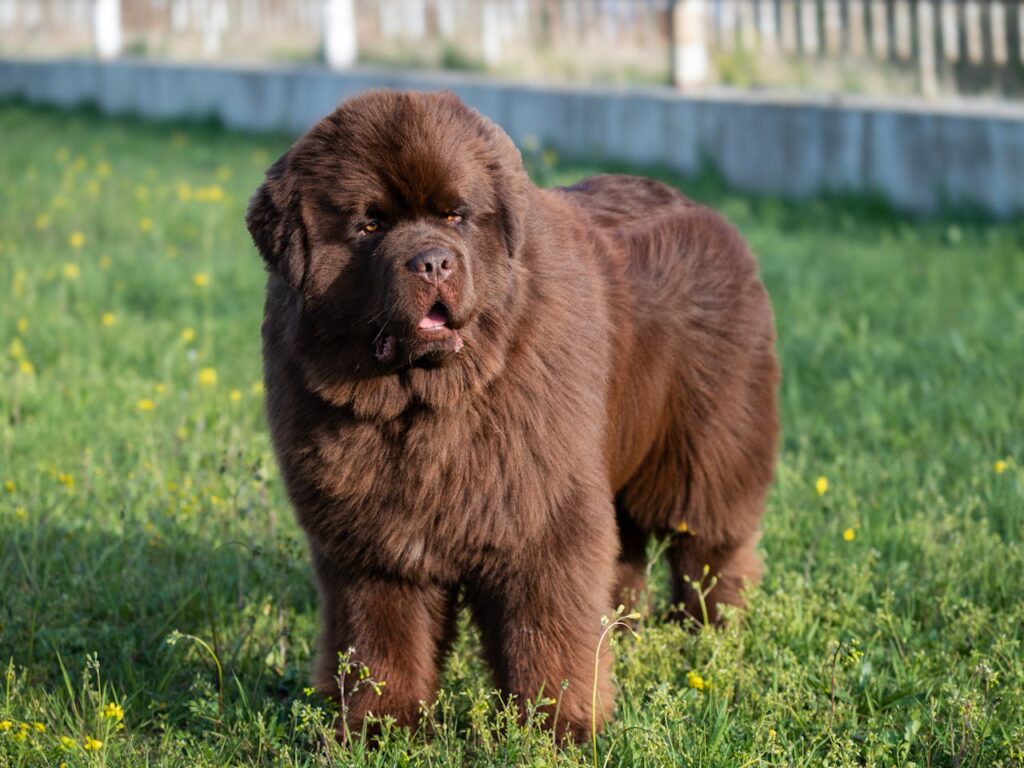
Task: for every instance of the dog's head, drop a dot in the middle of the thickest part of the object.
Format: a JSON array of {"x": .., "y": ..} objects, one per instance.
[{"x": 397, "y": 224}]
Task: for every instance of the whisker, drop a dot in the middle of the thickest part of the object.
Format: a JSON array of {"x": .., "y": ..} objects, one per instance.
[{"x": 392, "y": 312}]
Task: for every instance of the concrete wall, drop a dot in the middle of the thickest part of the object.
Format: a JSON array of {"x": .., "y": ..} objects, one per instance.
[{"x": 917, "y": 155}]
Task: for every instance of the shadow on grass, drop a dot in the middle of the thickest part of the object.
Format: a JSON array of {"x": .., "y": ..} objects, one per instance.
[{"x": 70, "y": 592}]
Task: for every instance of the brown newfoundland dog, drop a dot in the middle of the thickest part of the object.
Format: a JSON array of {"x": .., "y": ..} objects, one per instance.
[{"x": 487, "y": 392}]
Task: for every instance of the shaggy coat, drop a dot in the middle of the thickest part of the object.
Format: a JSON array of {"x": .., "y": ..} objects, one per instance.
[{"x": 487, "y": 392}]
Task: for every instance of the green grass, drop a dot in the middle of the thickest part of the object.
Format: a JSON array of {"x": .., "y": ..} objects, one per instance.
[{"x": 141, "y": 501}]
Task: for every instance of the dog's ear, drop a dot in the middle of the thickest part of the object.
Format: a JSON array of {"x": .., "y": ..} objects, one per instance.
[
  {"x": 275, "y": 223},
  {"x": 511, "y": 181},
  {"x": 514, "y": 192}
]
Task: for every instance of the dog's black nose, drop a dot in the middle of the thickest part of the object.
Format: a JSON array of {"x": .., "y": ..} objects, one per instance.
[{"x": 434, "y": 265}]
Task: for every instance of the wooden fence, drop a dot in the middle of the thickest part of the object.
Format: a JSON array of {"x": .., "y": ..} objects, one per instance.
[{"x": 929, "y": 47}]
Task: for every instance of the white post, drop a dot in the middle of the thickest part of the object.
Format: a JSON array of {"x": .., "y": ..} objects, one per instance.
[
  {"x": 904, "y": 41},
  {"x": 340, "y": 42},
  {"x": 106, "y": 25},
  {"x": 950, "y": 31},
  {"x": 768, "y": 28},
  {"x": 858, "y": 43},
  {"x": 879, "y": 30},
  {"x": 809, "y": 26},
  {"x": 926, "y": 48},
  {"x": 690, "y": 61},
  {"x": 833, "y": 28},
  {"x": 997, "y": 26},
  {"x": 490, "y": 32}
]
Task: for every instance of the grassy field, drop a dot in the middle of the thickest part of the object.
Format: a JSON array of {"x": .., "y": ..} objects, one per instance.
[{"x": 156, "y": 605}]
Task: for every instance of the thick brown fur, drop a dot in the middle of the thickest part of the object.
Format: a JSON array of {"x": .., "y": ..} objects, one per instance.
[{"x": 605, "y": 373}]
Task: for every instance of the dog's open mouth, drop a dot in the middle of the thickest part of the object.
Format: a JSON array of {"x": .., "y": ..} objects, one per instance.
[
  {"x": 432, "y": 341},
  {"x": 435, "y": 320}
]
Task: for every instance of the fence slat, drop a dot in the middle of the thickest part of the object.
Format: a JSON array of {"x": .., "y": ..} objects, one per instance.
[
  {"x": 901, "y": 17},
  {"x": 997, "y": 28},
  {"x": 727, "y": 25},
  {"x": 926, "y": 48},
  {"x": 787, "y": 19},
  {"x": 879, "y": 29},
  {"x": 809, "y": 26},
  {"x": 833, "y": 27},
  {"x": 1020, "y": 31},
  {"x": 972, "y": 20},
  {"x": 747, "y": 25},
  {"x": 950, "y": 31},
  {"x": 857, "y": 41},
  {"x": 767, "y": 26}
]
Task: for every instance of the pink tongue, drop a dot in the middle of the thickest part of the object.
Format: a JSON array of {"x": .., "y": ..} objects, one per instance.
[{"x": 434, "y": 319}]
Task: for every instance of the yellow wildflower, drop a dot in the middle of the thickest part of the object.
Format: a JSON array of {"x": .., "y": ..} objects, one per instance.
[
  {"x": 211, "y": 194},
  {"x": 849, "y": 534},
  {"x": 145, "y": 224},
  {"x": 695, "y": 681},
  {"x": 821, "y": 485},
  {"x": 76, "y": 240},
  {"x": 26, "y": 367},
  {"x": 92, "y": 745},
  {"x": 10, "y": 487},
  {"x": 66, "y": 742},
  {"x": 181, "y": 433},
  {"x": 159, "y": 387},
  {"x": 999, "y": 466},
  {"x": 682, "y": 527},
  {"x": 145, "y": 404},
  {"x": 20, "y": 735},
  {"x": 43, "y": 221},
  {"x": 235, "y": 395},
  {"x": 6, "y": 725},
  {"x": 103, "y": 169},
  {"x": 201, "y": 279},
  {"x": 207, "y": 377},
  {"x": 256, "y": 388},
  {"x": 113, "y": 711},
  {"x": 22, "y": 324},
  {"x": 188, "y": 335},
  {"x": 105, "y": 262},
  {"x": 40, "y": 727},
  {"x": 16, "y": 349},
  {"x": 21, "y": 513},
  {"x": 71, "y": 271},
  {"x": 68, "y": 481},
  {"x": 108, "y": 319}
]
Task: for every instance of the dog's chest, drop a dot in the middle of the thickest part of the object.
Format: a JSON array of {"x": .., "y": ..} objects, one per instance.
[{"x": 438, "y": 497}]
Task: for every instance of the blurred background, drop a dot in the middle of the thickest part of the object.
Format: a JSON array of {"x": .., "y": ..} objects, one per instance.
[
  {"x": 933, "y": 48},
  {"x": 156, "y": 601}
]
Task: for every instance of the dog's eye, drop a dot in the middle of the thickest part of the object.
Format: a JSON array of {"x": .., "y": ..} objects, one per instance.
[
  {"x": 371, "y": 226},
  {"x": 453, "y": 217}
]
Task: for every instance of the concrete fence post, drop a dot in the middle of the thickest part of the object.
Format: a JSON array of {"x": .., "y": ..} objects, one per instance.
[
  {"x": 690, "y": 61},
  {"x": 106, "y": 27},
  {"x": 340, "y": 39}
]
